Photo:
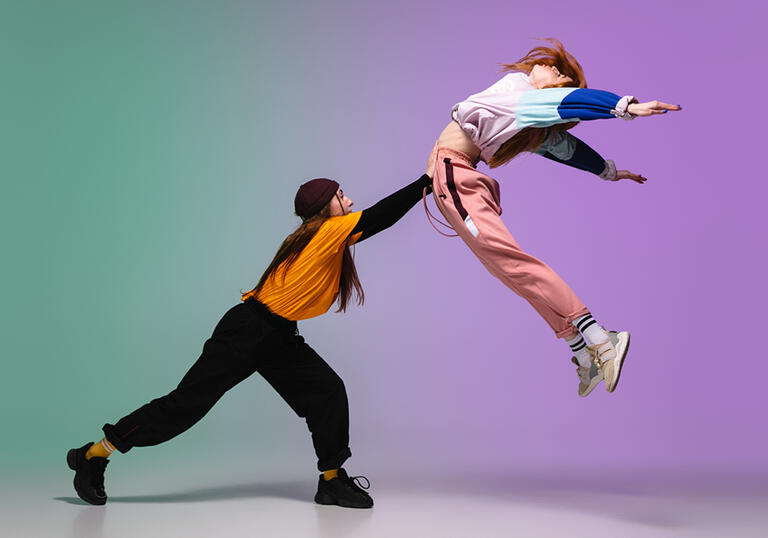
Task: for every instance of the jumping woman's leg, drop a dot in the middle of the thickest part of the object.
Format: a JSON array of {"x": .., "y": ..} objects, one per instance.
[{"x": 469, "y": 200}]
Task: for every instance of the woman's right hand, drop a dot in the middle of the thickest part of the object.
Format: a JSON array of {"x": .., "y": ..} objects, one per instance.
[{"x": 650, "y": 108}]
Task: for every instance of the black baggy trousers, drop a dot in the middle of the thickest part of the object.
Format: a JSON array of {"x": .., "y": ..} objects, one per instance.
[{"x": 249, "y": 338}]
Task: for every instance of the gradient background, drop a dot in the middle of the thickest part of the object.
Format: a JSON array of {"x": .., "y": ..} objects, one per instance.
[{"x": 150, "y": 154}]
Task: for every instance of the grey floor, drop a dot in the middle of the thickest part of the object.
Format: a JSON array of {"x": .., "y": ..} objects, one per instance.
[{"x": 540, "y": 503}]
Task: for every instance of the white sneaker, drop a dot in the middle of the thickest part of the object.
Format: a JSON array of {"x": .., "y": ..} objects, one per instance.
[
  {"x": 609, "y": 356},
  {"x": 589, "y": 378}
]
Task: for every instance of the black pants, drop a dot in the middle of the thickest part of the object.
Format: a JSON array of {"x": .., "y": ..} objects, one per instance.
[{"x": 249, "y": 338}]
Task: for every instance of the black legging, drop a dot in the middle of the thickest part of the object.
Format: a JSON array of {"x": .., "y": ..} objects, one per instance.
[{"x": 249, "y": 338}]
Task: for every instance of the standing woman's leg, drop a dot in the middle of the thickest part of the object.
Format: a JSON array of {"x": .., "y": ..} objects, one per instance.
[
  {"x": 314, "y": 391},
  {"x": 228, "y": 357}
]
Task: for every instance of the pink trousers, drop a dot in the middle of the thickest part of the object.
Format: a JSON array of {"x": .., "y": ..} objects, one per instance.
[{"x": 470, "y": 202}]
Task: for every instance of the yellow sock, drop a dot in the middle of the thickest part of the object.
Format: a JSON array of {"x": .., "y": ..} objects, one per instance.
[
  {"x": 102, "y": 449},
  {"x": 329, "y": 475}
]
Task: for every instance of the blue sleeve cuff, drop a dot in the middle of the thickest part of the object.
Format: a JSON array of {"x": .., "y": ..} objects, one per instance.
[{"x": 588, "y": 104}]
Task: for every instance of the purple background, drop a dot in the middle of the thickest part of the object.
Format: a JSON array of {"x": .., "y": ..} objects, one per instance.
[{"x": 468, "y": 368}]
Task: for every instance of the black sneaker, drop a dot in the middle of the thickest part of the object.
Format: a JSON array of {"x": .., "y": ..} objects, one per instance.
[
  {"x": 343, "y": 491},
  {"x": 89, "y": 475}
]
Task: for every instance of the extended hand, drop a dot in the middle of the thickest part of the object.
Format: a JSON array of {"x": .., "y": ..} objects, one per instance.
[
  {"x": 626, "y": 174},
  {"x": 650, "y": 108}
]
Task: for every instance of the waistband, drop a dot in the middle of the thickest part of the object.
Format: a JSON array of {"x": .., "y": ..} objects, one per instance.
[
  {"x": 273, "y": 319},
  {"x": 453, "y": 154}
]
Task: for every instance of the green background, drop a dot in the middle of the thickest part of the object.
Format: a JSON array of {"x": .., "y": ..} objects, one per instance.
[{"x": 141, "y": 149}]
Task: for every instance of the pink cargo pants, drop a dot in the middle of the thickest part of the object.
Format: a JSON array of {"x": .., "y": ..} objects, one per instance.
[{"x": 470, "y": 202}]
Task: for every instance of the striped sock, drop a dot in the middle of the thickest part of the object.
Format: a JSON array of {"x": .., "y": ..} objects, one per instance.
[
  {"x": 102, "y": 449},
  {"x": 579, "y": 349},
  {"x": 591, "y": 330}
]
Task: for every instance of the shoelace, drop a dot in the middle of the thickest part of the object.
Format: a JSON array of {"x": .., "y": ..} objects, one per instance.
[
  {"x": 597, "y": 358},
  {"x": 356, "y": 479}
]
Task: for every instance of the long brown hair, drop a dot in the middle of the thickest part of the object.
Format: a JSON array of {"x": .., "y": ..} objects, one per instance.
[
  {"x": 530, "y": 138},
  {"x": 289, "y": 252}
]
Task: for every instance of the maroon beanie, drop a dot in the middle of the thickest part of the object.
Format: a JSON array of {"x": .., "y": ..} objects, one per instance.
[{"x": 313, "y": 195}]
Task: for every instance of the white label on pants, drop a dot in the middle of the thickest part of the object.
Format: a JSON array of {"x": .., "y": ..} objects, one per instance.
[{"x": 471, "y": 226}]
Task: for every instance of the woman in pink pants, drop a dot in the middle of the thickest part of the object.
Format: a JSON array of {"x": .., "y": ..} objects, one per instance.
[{"x": 531, "y": 109}]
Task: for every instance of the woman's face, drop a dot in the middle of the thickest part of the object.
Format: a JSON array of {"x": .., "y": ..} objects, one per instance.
[
  {"x": 340, "y": 204},
  {"x": 547, "y": 76}
]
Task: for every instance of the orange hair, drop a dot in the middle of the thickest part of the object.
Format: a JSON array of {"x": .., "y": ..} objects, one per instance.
[{"x": 530, "y": 138}]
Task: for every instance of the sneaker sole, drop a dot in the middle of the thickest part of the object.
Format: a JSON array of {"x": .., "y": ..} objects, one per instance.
[
  {"x": 327, "y": 500},
  {"x": 622, "y": 346}
]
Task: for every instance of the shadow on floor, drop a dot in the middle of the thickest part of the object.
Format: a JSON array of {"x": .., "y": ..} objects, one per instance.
[
  {"x": 651, "y": 497},
  {"x": 656, "y": 498},
  {"x": 295, "y": 491}
]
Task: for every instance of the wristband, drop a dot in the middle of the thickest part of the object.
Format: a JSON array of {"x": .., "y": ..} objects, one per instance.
[
  {"x": 609, "y": 174},
  {"x": 621, "y": 110}
]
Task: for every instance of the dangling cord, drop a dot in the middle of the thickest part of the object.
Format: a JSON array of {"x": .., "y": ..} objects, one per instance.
[{"x": 430, "y": 216}]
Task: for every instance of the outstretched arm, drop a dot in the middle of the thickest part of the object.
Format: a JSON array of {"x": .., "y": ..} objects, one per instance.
[
  {"x": 567, "y": 149},
  {"x": 550, "y": 106},
  {"x": 389, "y": 210}
]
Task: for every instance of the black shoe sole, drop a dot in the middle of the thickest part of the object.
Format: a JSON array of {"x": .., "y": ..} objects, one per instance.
[
  {"x": 324, "y": 498},
  {"x": 72, "y": 464}
]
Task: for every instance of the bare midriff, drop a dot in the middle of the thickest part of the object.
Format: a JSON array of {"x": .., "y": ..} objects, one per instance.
[{"x": 455, "y": 138}]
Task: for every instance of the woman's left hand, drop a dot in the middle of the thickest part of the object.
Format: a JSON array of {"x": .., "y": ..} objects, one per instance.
[{"x": 626, "y": 174}]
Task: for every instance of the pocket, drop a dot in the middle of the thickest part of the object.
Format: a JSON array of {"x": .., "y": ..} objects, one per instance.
[{"x": 453, "y": 194}]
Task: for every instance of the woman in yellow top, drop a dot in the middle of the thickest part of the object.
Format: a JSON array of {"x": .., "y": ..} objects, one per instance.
[{"x": 312, "y": 269}]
